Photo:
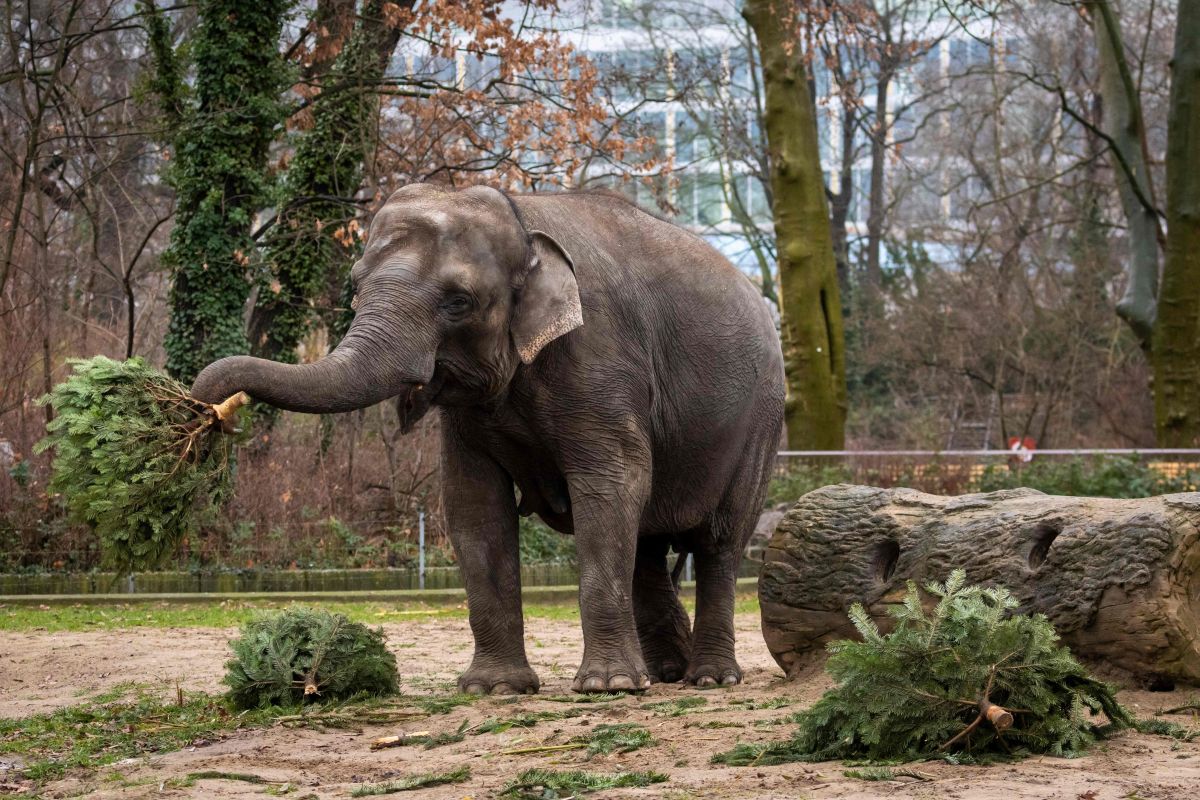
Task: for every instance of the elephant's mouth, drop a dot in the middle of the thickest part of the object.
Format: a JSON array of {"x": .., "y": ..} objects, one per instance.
[{"x": 415, "y": 401}]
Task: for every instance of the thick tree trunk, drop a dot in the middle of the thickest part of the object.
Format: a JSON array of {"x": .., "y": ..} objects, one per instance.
[
  {"x": 302, "y": 248},
  {"x": 810, "y": 306},
  {"x": 1119, "y": 579},
  {"x": 1176, "y": 351}
]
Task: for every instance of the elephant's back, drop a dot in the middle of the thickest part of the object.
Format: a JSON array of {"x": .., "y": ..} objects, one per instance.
[
  {"x": 619, "y": 248},
  {"x": 708, "y": 334}
]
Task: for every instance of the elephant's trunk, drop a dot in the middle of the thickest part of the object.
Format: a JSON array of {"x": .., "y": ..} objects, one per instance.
[{"x": 355, "y": 375}]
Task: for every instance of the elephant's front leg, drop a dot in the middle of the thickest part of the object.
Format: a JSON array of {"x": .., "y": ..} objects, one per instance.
[
  {"x": 606, "y": 512},
  {"x": 482, "y": 514}
]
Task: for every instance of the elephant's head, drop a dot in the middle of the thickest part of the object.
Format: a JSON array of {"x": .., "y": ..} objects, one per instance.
[{"x": 452, "y": 292}]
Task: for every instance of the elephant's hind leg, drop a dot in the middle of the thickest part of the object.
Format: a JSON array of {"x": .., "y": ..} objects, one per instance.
[
  {"x": 663, "y": 627},
  {"x": 718, "y": 549}
]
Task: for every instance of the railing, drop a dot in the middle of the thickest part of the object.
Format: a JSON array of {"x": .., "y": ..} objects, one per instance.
[{"x": 958, "y": 471}]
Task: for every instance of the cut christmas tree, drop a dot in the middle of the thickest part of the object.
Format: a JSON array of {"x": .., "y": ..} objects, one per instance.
[
  {"x": 970, "y": 678},
  {"x": 136, "y": 457},
  {"x": 305, "y": 654}
]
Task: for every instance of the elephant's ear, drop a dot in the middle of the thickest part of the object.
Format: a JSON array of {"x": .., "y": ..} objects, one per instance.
[{"x": 548, "y": 300}]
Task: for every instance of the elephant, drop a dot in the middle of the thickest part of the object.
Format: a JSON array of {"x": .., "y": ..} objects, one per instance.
[{"x": 593, "y": 364}]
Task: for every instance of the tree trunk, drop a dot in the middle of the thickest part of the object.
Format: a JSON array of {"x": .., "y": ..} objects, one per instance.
[
  {"x": 219, "y": 154},
  {"x": 810, "y": 306},
  {"x": 309, "y": 248},
  {"x": 1176, "y": 351},
  {"x": 1123, "y": 124},
  {"x": 1119, "y": 579},
  {"x": 875, "y": 203}
]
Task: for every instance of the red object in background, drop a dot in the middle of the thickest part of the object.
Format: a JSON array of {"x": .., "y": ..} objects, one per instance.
[{"x": 1022, "y": 447}]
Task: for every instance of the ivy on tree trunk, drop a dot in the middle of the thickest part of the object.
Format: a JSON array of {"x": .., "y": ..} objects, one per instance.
[
  {"x": 310, "y": 246},
  {"x": 221, "y": 131},
  {"x": 1176, "y": 352},
  {"x": 810, "y": 306}
]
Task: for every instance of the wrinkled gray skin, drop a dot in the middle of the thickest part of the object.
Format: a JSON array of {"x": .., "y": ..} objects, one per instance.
[{"x": 616, "y": 370}]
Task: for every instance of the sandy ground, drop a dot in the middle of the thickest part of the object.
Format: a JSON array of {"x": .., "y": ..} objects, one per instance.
[{"x": 42, "y": 671}]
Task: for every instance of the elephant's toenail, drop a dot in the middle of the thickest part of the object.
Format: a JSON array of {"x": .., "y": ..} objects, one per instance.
[
  {"x": 593, "y": 684},
  {"x": 475, "y": 688},
  {"x": 645, "y": 684},
  {"x": 620, "y": 683},
  {"x": 730, "y": 679},
  {"x": 503, "y": 688},
  {"x": 706, "y": 682}
]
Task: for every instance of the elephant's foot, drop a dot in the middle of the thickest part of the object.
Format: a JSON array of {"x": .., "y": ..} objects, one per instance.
[
  {"x": 498, "y": 678},
  {"x": 709, "y": 672},
  {"x": 618, "y": 673},
  {"x": 666, "y": 655}
]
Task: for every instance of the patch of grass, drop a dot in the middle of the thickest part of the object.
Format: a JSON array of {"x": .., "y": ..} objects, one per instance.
[
  {"x": 599, "y": 697},
  {"x": 716, "y": 723},
  {"x": 500, "y": 725},
  {"x": 125, "y": 722},
  {"x": 756, "y": 705},
  {"x": 217, "y": 775},
  {"x": 871, "y": 774},
  {"x": 444, "y": 704},
  {"x": 790, "y": 719},
  {"x": 548, "y": 784},
  {"x": 624, "y": 737},
  {"x": 1172, "y": 730},
  {"x": 677, "y": 708},
  {"x": 199, "y": 615},
  {"x": 227, "y": 614},
  {"x": 745, "y": 754},
  {"x": 414, "y": 782}
]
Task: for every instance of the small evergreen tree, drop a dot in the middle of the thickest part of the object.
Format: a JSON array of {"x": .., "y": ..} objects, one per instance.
[
  {"x": 971, "y": 677},
  {"x": 305, "y": 654},
  {"x": 136, "y": 457}
]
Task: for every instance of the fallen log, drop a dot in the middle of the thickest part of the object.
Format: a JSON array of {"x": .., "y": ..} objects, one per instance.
[{"x": 1119, "y": 579}]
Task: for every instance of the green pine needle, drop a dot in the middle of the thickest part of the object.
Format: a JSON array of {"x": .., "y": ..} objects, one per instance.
[
  {"x": 620, "y": 738},
  {"x": 548, "y": 784},
  {"x": 135, "y": 457},
  {"x": 279, "y": 654},
  {"x": 415, "y": 782},
  {"x": 908, "y": 694}
]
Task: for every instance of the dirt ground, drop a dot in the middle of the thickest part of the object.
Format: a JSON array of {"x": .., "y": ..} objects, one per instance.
[{"x": 42, "y": 671}]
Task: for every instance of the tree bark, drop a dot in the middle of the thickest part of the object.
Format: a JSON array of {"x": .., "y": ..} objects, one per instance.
[
  {"x": 810, "y": 305},
  {"x": 875, "y": 210},
  {"x": 1119, "y": 579},
  {"x": 326, "y": 171},
  {"x": 1176, "y": 352},
  {"x": 1123, "y": 124}
]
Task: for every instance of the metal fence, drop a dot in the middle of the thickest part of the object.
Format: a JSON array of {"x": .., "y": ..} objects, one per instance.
[
  {"x": 396, "y": 560},
  {"x": 962, "y": 471}
]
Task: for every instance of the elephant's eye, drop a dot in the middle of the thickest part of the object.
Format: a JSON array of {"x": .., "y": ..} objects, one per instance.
[{"x": 456, "y": 306}]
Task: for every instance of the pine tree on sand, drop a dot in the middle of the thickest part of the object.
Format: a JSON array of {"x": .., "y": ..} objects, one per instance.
[
  {"x": 306, "y": 654},
  {"x": 136, "y": 457},
  {"x": 970, "y": 678}
]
